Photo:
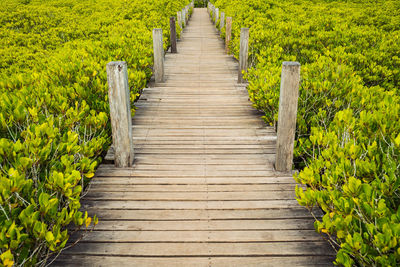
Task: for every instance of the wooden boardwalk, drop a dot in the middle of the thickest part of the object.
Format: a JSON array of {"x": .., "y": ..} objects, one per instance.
[{"x": 202, "y": 191}]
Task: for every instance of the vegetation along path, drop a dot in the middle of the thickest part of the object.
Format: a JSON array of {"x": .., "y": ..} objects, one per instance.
[{"x": 203, "y": 190}]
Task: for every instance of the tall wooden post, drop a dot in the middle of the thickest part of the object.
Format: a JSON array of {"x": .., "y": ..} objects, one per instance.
[
  {"x": 120, "y": 113},
  {"x": 183, "y": 17},
  {"x": 288, "y": 99},
  {"x": 216, "y": 15},
  {"x": 179, "y": 17},
  {"x": 173, "y": 34},
  {"x": 228, "y": 33},
  {"x": 158, "y": 55},
  {"x": 243, "y": 54},
  {"x": 222, "y": 21}
]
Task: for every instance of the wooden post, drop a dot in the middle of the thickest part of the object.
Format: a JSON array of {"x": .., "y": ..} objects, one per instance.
[
  {"x": 179, "y": 16},
  {"x": 158, "y": 55},
  {"x": 173, "y": 34},
  {"x": 222, "y": 21},
  {"x": 216, "y": 15},
  {"x": 228, "y": 33},
  {"x": 120, "y": 113},
  {"x": 288, "y": 98},
  {"x": 243, "y": 54},
  {"x": 183, "y": 17}
]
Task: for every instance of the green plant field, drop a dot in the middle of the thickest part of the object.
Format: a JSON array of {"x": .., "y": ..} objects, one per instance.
[
  {"x": 54, "y": 122},
  {"x": 348, "y": 133}
]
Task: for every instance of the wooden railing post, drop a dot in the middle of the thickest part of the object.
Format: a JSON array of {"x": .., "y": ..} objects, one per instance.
[
  {"x": 216, "y": 15},
  {"x": 243, "y": 54},
  {"x": 288, "y": 99},
  {"x": 179, "y": 17},
  {"x": 222, "y": 21},
  {"x": 158, "y": 55},
  {"x": 120, "y": 113},
  {"x": 228, "y": 33},
  {"x": 183, "y": 17},
  {"x": 173, "y": 34}
]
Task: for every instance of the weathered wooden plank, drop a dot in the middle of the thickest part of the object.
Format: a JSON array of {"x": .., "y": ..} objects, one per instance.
[
  {"x": 202, "y": 249},
  {"x": 107, "y": 261},
  {"x": 296, "y": 261},
  {"x": 198, "y": 236},
  {"x": 210, "y": 196},
  {"x": 124, "y": 180},
  {"x": 192, "y": 188},
  {"x": 173, "y": 215},
  {"x": 187, "y": 204}
]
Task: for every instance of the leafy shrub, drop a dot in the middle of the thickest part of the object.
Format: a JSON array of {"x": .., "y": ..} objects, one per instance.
[{"x": 54, "y": 122}]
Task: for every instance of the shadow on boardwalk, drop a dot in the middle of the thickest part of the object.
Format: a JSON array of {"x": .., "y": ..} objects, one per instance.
[{"x": 202, "y": 191}]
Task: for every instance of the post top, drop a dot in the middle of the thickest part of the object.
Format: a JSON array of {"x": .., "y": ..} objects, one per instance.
[
  {"x": 290, "y": 63},
  {"x": 116, "y": 63}
]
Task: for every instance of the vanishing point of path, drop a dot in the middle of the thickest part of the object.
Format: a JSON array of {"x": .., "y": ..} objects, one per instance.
[{"x": 202, "y": 191}]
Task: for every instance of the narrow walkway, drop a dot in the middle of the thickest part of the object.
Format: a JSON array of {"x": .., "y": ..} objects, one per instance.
[{"x": 202, "y": 191}]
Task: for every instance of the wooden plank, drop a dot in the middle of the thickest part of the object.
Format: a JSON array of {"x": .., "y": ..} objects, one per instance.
[
  {"x": 198, "y": 236},
  {"x": 254, "y": 181},
  {"x": 106, "y": 261},
  {"x": 187, "y": 204},
  {"x": 202, "y": 249},
  {"x": 298, "y": 260},
  {"x": 192, "y": 188},
  {"x": 173, "y": 215},
  {"x": 178, "y": 173},
  {"x": 210, "y": 196}
]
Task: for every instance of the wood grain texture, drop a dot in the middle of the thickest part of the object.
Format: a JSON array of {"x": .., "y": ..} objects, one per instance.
[
  {"x": 158, "y": 51},
  {"x": 173, "y": 34},
  {"x": 288, "y": 99},
  {"x": 228, "y": 34},
  {"x": 243, "y": 53},
  {"x": 202, "y": 190},
  {"x": 120, "y": 113}
]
